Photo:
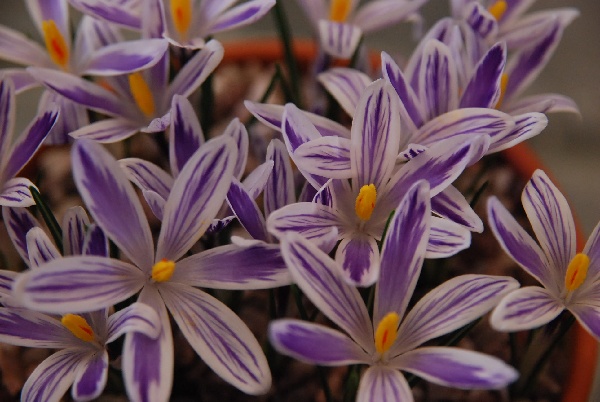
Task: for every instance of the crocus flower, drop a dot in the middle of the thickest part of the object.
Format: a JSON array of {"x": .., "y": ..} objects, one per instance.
[
  {"x": 391, "y": 340},
  {"x": 342, "y": 23},
  {"x": 14, "y": 155},
  {"x": 569, "y": 280},
  {"x": 166, "y": 281}
]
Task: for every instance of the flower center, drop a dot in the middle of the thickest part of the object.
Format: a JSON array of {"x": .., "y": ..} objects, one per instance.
[
  {"x": 498, "y": 9},
  {"x": 78, "y": 327},
  {"x": 339, "y": 10},
  {"x": 163, "y": 270},
  {"x": 141, "y": 93},
  {"x": 365, "y": 202},
  {"x": 181, "y": 11},
  {"x": 386, "y": 332},
  {"x": 577, "y": 271},
  {"x": 55, "y": 43},
  {"x": 503, "y": 84}
]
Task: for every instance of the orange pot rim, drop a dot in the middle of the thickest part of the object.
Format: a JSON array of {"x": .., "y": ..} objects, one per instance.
[{"x": 584, "y": 356}]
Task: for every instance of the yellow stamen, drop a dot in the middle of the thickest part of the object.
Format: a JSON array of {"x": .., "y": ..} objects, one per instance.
[
  {"x": 503, "y": 84},
  {"x": 365, "y": 202},
  {"x": 181, "y": 10},
  {"x": 577, "y": 271},
  {"x": 141, "y": 93},
  {"x": 55, "y": 43},
  {"x": 498, "y": 9},
  {"x": 386, "y": 332},
  {"x": 163, "y": 270},
  {"x": 339, "y": 10},
  {"x": 78, "y": 327}
]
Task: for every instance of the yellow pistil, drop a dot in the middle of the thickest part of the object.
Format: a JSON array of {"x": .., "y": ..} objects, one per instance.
[
  {"x": 78, "y": 327},
  {"x": 365, "y": 202},
  {"x": 498, "y": 9},
  {"x": 503, "y": 84},
  {"x": 577, "y": 271},
  {"x": 55, "y": 43},
  {"x": 141, "y": 93},
  {"x": 386, "y": 332},
  {"x": 163, "y": 270},
  {"x": 181, "y": 10},
  {"x": 339, "y": 10}
]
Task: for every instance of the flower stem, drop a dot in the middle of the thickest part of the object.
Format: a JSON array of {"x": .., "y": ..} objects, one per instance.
[
  {"x": 283, "y": 27},
  {"x": 51, "y": 222}
]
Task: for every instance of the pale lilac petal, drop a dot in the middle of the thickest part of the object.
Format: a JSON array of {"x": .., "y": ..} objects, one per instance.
[
  {"x": 72, "y": 117},
  {"x": 24, "y": 327},
  {"x": 526, "y": 126},
  {"x": 403, "y": 252},
  {"x": 196, "y": 197},
  {"x": 21, "y": 79},
  {"x": 450, "y": 306},
  {"x": 256, "y": 266},
  {"x": 380, "y": 383},
  {"x": 125, "y": 57},
  {"x": 358, "y": 256},
  {"x": 90, "y": 377},
  {"x": 380, "y": 14},
  {"x": 338, "y": 39},
  {"x": 409, "y": 99},
  {"x": 452, "y": 205},
  {"x": 196, "y": 70},
  {"x": 218, "y": 224},
  {"x": 52, "y": 378},
  {"x": 122, "y": 12},
  {"x": 534, "y": 25},
  {"x": 40, "y": 247},
  {"x": 279, "y": 190},
  {"x": 16, "y": 47},
  {"x": 112, "y": 201},
  {"x": 483, "y": 89},
  {"x": 78, "y": 284},
  {"x": 551, "y": 220},
  {"x": 185, "y": 135},
  {"x": 346, "y": 85},
  {"x": 446, "y": 238},
  {"x": 74, "y": 225},
  {"x": 315, "y": 344},
  {"x": 156, "y": 203},
  {"x": 375, "y": 134},
  {"x": 148, "y": 363},
  {"x": 6, "y": 281},
  {"x": 257, "y": 180},
  {"x": 158, "y": 124},
  {"x": 321, "y": 280},
  {"x": 137, "y": 317},
  {"x": 542, "y": 103},
  {"x": 457, "y": 368},
  {"x": 311, "y": 220},
  {"x": 438, "y": 82},
  {"x": 241, "y": 15},
  {"x": 18, "y": 221},
  {"x": 591, "y": 249},
  {"x": 588, "y": 316},
  {"x": 526, "y": 308},
  {"x": 236, "y": 130},
  {"x": 15, "y": 193},
  {"x": 220, "y": 337},
  {"x": 57, "y": 10},
  {"x": 147, "y": 176},
  {"x": 247, "y": 211},
  {"x": 95, "y": 242},
  {"x": 8, "y": 110},
  {"x": 480, "y": 20},
  {"x": 107, "y": 131},
  {"x": 326, "y": 156}
]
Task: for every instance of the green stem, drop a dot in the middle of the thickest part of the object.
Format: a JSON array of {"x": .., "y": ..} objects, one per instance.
[
  {"x": 478, "y": 194},
  {"x": 207, "y": 102},
  {"x": 51, "y": 222},
  {"x": 290, "y": 59},
  {"x": 385, "y": 228}
]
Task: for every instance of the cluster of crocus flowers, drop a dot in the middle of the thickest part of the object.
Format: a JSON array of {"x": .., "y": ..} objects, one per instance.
[{"x": 348, "y": 209}]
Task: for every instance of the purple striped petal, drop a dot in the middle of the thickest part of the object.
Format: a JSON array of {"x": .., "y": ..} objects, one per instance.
[
  {"x": 24, "y": 327},
  {"x": 6, "y": 281},
  {"x": 452, "y": 205},
  {"x": 326, "y": 156},
  {"x": 16, "y": 47},
  {"x": 185, "y": 135},
  {"x": 358, "y": 256},
  {"x": 15, "y": 193},
  {"x": 238, "y": 132},
  {"x": 551, "y": 220},
  {"x": 256, "y": 181},
  {"x": 240, "y": 16},
  {"x": 196, "y": 197},
  {"x": 74, "y": 224},
  {"x": 483, "y": 89},
  {"x": 40, "y": 248},
  {"x": 147, "y": 362},
  {"x": 279, "y": 190},
  {"x": 147, "y": 176},
  {"x": 95, "y": 242},
  {"x": 591, "y": 249},
  {"x": 320, "y": 278},
  {"x": 542, "y": 103},
  {"x": 125, "y": 57},
  {"x": 450, "y": 306},
  {"x": 446, "y": 238},
  {"x": 315, "y": 344},
  {"x": 526, "y": 308},
  {"x": 112, "y": 201},
  {"x": 57, "y": 10},
  {"x": 535, "y": 25},
  {"x": 107, "y": 131},
  {"x": 480, "y": 20},
  {"x": 375, "y": 135},
  {"x": 438, "y": 82},
  {"x": 90, "y": 378},
  {"x": 403, "y": 252},
  {"x": 122, "y": 12},
  {"x": 21, "y": 79},
  {"x": 156, "y": 203},
  {"x": 18, "y": 221},
  {"x": 78, "y": 284},
  {"x": 345, "y": 85},
  {"x": 7, "y": 120},
  {"x": 526, "y": 126},
  {"x": 457, "y": 368},
  {"x": 588, "y": 316},
  {"x": 377, "y": 15},
  {"x": 218, "y": 224},
  {"x": 338, "y": 39},
  {"x": 220, "y": 337},
  {"x": 247, "y": 211},
  {"x": 393, "y": 74},
  {"x": 256, "y": 266},
  {"x": 52, "y": 378},
  {"x": 380, "y": 383},
  {"x": 312, "y": 221},
  {"x": 137, "y": 317}
]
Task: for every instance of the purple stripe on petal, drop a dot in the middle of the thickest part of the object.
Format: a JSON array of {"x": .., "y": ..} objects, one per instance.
[
  {"x": 40, "y": 247},
  {"x": 279, "y": 190},
  {"x": 7, "y": 121},
  {"x": 480, "y": 20},
  {"x": 247, "y": 211},
  {"x": 326, "y": 156},
  {"x": 311, "y": 220},
  {"x": 125, "y": 13},
  {"x": 526, "y": 308},
  {"x": 446, "y": 238},
  {"x": 338, "y": 39},
  {"x": 451, "y": 204},
  {"x": 29, "y": 328},
  {"x": 483, "y": 89},
  {"x": 380, "y": 383},
  {"x": 15, "y": 193},
  {"x": 137, "y": 317},
  {"x": 185, "y": 136},
  {"x": 91, "y": 376},
  {"x": 74, "y": 224},
  {"x": 438, "y": 81},
  {"x": 95, "y": 242},
  {"x": 18, "y": 221},
  {"x": 125, "y": 57},
  {"x": 241, "y": 15},
  {"x": 345, "y": 85},
  {"x": 526, "y": 126},
  {"x": 393, "y": 74},
  {"x": 147, "y": 176},
  {"x": 359, "y": 257}
]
